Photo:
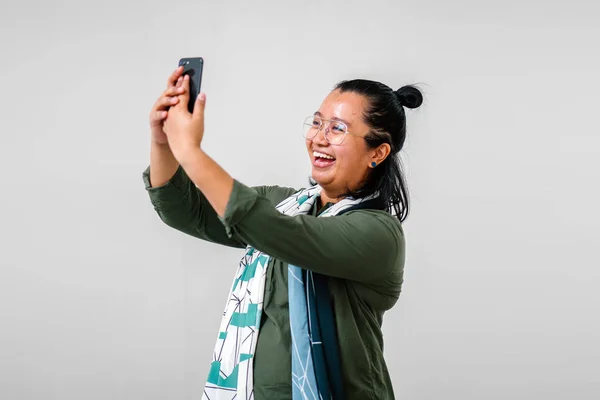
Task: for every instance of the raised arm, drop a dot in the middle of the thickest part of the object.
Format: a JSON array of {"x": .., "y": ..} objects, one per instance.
[
  {"x": 180, "y": 205},
  {"x": 363, "y": 245}
]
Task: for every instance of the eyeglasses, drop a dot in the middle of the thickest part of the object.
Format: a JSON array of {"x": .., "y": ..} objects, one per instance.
[{"x": 335, "y": 131}]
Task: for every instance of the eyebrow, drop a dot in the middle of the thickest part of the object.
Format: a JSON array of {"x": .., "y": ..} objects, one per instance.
[{"x": 318, "y": 114}]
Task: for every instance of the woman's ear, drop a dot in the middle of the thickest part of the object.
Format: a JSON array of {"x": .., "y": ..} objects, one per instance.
[{"x": 380, "y": 153}]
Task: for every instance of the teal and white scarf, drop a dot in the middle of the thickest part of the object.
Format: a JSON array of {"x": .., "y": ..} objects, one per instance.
[{"x": 231, "y": 371}]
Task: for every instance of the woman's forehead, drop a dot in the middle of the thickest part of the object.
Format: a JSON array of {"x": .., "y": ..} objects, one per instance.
[{"x": 347, "y": 106}]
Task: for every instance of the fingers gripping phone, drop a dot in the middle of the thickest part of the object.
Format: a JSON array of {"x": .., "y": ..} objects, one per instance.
[{"x": 193, "y": 67}]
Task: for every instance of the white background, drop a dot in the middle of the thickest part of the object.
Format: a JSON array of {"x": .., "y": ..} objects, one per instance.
[{"x": 100, "y": 300}]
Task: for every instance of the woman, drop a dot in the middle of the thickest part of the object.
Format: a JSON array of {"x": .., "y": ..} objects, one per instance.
[{"x": 322, "y": 264}]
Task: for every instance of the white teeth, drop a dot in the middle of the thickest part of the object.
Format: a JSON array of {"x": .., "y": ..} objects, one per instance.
[{"x": 322, "y": 155}]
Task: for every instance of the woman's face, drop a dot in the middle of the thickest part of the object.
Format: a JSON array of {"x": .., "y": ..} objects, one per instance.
[{"x": 351, "y": 159}]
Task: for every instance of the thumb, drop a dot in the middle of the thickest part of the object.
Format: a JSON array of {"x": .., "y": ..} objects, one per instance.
[{"x": 198, "y": 113}]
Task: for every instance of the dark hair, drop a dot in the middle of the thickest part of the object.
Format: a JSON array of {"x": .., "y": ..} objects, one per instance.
[{"x": 385, "y": 116}]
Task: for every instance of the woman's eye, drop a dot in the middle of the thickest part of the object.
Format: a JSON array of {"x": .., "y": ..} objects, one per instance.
[{"x": 338, "y": 128}]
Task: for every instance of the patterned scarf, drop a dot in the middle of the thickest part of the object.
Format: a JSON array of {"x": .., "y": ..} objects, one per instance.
[{"x": 231, "y": 371}]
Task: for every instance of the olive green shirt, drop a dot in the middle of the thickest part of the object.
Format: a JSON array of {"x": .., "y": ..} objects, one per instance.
[{"x": 361, "y": 251}]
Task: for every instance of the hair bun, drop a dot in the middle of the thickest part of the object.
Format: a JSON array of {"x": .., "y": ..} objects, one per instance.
[{"x": 409, "y": 96}]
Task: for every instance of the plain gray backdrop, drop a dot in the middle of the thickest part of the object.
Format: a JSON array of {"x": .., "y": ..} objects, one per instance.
[{"x": 100, "y": 300}]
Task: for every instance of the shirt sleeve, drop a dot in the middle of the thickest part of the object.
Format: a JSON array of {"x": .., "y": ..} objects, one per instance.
[
  {"x": 362, "y": 245},
  {"x": 181, "y": 205}
]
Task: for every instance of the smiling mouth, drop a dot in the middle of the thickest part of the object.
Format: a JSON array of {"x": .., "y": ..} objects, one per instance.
[{"x": 322, "y": 160}]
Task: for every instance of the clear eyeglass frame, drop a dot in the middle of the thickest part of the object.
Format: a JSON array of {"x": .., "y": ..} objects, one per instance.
[{"x": 335, "y": 136}]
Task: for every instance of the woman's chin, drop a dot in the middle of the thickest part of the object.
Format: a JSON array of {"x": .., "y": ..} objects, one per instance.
[{"x": 322, "y": 177}]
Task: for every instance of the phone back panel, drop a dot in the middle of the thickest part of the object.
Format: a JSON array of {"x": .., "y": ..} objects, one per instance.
[{"x": 193, "y": 67}]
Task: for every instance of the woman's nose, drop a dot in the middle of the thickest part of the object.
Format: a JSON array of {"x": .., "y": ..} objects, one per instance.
[{"x": 320, "y": 136}]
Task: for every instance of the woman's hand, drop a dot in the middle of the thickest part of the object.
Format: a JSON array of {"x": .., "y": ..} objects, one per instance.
[
  {"x": 184, "y": 131},
  {"x": 168, "y": 98}
]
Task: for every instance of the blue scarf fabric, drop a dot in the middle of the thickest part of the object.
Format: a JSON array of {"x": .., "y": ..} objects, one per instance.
[{"x": 316, "y": 364}]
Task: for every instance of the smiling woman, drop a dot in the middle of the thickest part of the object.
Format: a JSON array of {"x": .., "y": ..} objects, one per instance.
[{"x": 321, "y": 264}]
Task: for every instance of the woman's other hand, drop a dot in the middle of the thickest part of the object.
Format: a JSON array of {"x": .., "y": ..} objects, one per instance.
[
  {"x": 167, "y": 99},
  {"x": 184, "y": 131}
]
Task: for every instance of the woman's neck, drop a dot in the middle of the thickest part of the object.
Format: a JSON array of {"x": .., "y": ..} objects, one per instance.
[{"x": 325, "y": 198}]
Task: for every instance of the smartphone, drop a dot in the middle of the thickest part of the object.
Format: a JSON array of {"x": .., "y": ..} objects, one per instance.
[{"x": 193, "y": 67}]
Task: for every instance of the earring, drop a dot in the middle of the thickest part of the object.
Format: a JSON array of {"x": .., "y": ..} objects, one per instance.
[{"x": 373, "y": 164}]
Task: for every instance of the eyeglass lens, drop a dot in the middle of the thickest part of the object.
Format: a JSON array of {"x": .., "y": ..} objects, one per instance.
[{"x": 334, "y": 130}]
